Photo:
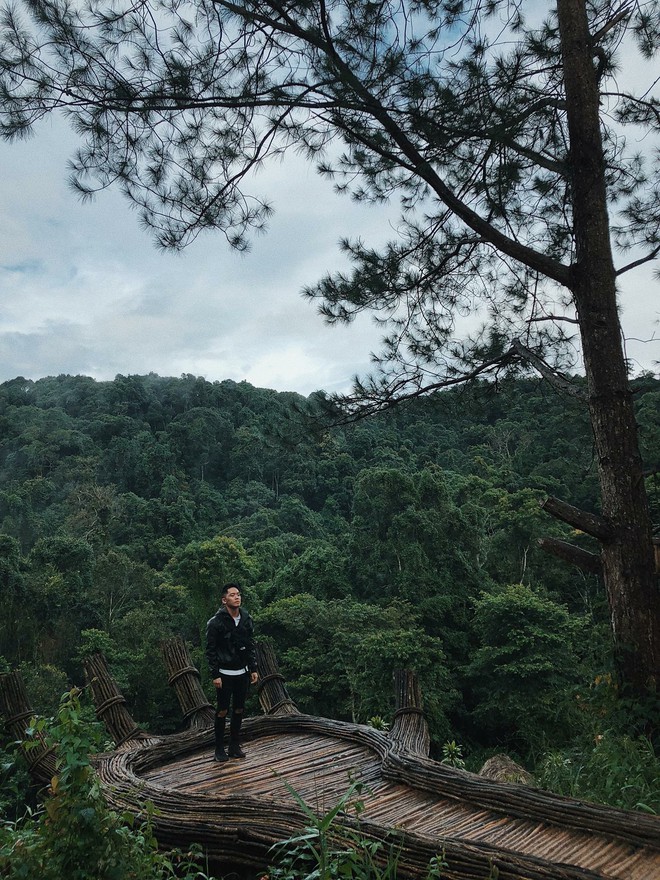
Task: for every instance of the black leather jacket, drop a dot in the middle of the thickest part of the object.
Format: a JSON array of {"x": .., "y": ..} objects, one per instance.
[{"x": 228, "y": 645}]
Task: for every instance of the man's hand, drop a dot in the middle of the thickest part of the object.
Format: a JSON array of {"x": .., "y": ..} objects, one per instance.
[
  {"x": 254, "y": 676},
  {"x": 217, "y": 683}
]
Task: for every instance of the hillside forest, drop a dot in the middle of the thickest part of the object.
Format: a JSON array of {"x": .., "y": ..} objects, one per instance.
[{"x": 405, "y": 540}]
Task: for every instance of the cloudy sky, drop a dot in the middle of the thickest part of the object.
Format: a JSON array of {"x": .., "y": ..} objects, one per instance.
[{"x": 84, "y": 291}]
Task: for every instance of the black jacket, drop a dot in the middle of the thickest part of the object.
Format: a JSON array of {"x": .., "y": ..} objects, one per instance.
[{"x": 228, "y": 645}]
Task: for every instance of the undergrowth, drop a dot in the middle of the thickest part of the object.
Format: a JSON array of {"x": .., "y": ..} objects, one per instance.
[{"x": 74, "y": 834}]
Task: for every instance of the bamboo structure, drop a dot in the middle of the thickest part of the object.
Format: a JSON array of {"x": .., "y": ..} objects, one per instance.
[
  {"x": 273, "y": 696},
  {"x": 409, "y": 729},
  {"x": 17, "y": 712},
  {"x": 110, "y": 703},
  {"x": 237, "y": 811},
  {"x": 184, "y": 678},
  {"x": 410, "y": 805}
]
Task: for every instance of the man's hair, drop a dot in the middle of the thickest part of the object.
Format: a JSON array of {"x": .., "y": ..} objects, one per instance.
[{"x": 228, "y": 587}]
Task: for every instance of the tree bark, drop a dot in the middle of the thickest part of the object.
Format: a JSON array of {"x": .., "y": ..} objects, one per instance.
[{"x": 628, "y": 561}]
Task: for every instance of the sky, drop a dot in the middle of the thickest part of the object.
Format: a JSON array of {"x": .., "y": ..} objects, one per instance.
[{"x": 83, "y": 289}]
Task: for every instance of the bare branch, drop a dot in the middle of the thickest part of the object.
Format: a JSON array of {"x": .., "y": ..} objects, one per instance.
[
  {"x": 589, "y": 562},
  {"x": 589, "y": 523},
  {"x": 647, "y": 259},
  {"x": 548, "y": 372},
  {"x": 563, "y": 318}
]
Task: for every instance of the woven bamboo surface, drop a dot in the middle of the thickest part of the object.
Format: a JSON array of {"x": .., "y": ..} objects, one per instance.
[{"x": 239, "y": 809}]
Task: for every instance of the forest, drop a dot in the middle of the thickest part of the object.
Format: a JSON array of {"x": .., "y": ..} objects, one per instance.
[{"x": 409, "y": 539}]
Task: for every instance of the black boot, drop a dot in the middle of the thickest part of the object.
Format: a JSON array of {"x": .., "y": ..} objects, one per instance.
[
  {"x": 235, "y": 750},
  {"x": 220, "y": 754}
]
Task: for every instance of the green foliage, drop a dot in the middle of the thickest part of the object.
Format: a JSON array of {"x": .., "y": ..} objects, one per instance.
[
  {"x": 331, "y": 848},
  {"x": 45, "y": 684},
  {"x": 202, "y": 567},
  {"x": 76, "y": 835},
  {"x": 384, "y": 543},
  {"x": 327, "y": 850},
  {"x": 14, "y": 783},
  {"x": 604, "y": 762},
  {"x": 12, "y": 594},
  {"x": 320, "y": 570},
  {"x": 525, "y": 661},
  {"x": 138, "y": 667},
  {"x": 338, "y": 657},
  {"x": 613, "y": 769},
  {"x": 410, "y": 542},
  {"x": 452, "y": 754},
  {"x": 119, "y": 585}
]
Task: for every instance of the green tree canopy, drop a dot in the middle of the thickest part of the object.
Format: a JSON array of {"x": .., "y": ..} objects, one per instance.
[
  {"x": 338, "y": 657},
  {"x": 524, "y": 663},
  {"x": 203, "y": 567}
]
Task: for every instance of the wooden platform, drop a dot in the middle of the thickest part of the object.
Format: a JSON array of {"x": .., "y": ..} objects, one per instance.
[
  {"x": 416, "y": 806},
  {"x": 320, "y": 759}
]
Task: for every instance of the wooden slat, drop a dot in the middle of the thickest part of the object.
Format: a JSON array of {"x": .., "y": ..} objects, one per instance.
[{"x": 320, "y": 769}]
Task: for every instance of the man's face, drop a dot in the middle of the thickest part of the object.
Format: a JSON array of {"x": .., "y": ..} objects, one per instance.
[{"x": 232, "y": 599}]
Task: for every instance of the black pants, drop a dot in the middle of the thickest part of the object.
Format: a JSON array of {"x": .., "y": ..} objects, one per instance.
[
  {"x": 233, "y": 692},
  {"x": 234, "y": 687}
]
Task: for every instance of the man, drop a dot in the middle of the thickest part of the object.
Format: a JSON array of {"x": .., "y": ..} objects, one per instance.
[{"x": 232, "y": 659}]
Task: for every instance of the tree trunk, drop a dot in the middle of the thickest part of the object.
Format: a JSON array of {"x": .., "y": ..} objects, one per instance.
[{"x": 628, "y": 560}]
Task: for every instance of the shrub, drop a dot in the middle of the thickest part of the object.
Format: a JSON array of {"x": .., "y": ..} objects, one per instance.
[
  {"x": 616, "y": 769},
  {"x": 75, "y": 834}
]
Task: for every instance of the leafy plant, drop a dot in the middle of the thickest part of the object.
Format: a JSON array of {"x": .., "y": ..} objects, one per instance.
[
  {"x": 75, "y": 834},
  {"x": 615, "y": 769},
  {"x": 325, "y": 851},
  {"x": 14, "y": 783},
  {"x": 452, "y": 754},
  {"x": 437, "y": 866}
]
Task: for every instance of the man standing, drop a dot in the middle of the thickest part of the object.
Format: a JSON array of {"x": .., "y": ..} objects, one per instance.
[{"x": 232, "y": 659}]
